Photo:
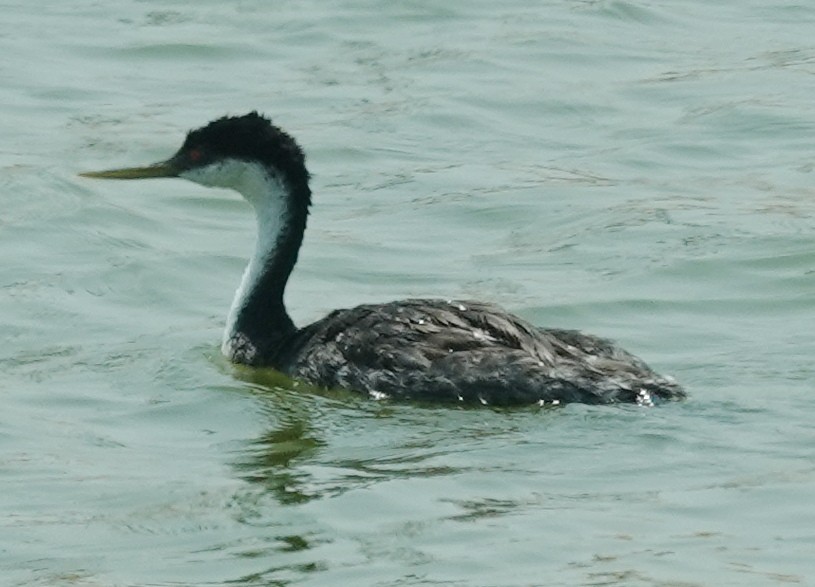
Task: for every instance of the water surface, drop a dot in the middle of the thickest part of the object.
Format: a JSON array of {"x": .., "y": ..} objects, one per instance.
[{"x": 639, "y": 170}]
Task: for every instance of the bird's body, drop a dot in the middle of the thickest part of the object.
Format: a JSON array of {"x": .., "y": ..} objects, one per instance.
[
  {"x": 429, "y": 350},
  {"x": 463, "y": 351}
]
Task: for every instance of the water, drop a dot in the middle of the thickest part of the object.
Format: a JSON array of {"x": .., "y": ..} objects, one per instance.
[{"x": 640, "y": 170}]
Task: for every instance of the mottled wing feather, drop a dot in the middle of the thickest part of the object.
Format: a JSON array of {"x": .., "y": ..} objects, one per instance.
[{"x": 467, "y": 352}]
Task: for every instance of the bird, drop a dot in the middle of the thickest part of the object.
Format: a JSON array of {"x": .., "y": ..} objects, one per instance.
[{"x": 424, "y": 350}]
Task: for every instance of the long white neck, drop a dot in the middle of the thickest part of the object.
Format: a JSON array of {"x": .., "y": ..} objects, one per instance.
[
  {"x": 258, "y": 305},
  {"x": 269, "y": 214}
]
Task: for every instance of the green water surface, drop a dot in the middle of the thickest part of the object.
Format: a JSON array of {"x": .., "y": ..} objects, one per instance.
[{"x": 639, "y": 170}]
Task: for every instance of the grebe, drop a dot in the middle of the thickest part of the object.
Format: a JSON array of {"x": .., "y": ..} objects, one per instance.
[{"x": 422, "y": 349}]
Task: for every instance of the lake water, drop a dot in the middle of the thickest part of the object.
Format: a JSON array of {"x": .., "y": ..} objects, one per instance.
[{"x": 639, "y": 170}]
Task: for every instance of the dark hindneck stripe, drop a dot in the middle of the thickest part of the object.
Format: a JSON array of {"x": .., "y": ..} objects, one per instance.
[{"x": 263, "y": 318}]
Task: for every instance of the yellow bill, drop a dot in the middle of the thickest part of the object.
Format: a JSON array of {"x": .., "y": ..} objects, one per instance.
[{"x": 165, "y": 169}]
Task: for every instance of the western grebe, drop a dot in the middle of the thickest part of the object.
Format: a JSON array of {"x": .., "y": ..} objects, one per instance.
[{"x": 423, "y": 349}]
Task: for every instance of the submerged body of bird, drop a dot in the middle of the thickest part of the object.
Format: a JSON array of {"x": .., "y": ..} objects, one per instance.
[{"x": 430, "y": 350}]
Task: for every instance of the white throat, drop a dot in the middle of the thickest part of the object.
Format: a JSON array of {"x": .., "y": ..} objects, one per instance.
[{"x": 267, "y": 193}]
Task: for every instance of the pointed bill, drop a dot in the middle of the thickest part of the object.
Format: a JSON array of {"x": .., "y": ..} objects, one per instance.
[{"x": 164, "y": 169}]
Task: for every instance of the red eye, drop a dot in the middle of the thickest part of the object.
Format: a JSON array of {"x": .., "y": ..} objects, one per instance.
[{"x": 195, "y": 155}]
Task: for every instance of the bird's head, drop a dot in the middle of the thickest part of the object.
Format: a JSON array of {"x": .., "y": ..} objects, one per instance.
[{"x": 224, "y": 153}]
